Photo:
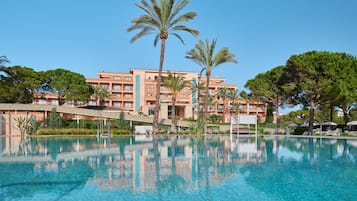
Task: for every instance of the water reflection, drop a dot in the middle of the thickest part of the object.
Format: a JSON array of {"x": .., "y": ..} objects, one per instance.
[{"x": 171, "y": 166}]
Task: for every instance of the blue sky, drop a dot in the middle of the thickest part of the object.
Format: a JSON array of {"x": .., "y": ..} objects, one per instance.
[{"x": 88, "y": 36}]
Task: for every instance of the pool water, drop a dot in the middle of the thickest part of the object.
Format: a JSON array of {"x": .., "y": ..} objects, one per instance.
[{"x": 177, "y": 168}]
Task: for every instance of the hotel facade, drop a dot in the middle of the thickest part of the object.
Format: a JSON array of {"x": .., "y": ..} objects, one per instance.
[{"x": 135, "y": 92}]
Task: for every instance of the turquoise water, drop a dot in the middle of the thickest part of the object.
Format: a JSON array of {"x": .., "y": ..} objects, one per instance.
[{"x": 177, "y": 168}]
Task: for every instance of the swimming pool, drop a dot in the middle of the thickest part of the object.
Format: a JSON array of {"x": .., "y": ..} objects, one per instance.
[{"x": 177, "y": 168}]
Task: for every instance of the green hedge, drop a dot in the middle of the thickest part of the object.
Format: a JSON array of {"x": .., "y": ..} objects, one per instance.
[{"x": 70, "y": 131}]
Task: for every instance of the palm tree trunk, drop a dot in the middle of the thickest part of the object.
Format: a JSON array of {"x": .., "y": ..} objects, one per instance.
[
  {"x": 173, "y": 114},
  {"x": 155, "y": 126},
  {"x": 224, "y": 109},
  {"x": 205, "y": 116}
]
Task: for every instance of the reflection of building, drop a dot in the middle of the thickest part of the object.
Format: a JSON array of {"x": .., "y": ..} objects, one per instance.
[
  {"x": 135, "y": 92},
  {"x": 132, "y": 165}
]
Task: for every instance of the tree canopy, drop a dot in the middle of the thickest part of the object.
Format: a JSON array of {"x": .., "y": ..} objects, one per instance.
[
  {"x": 314, "y": 76},
  {"x": 69, "y": 85},
  {"x": 268, "y": 87},
  {"x": 18, "y": 84},
  {"x": 175, "y": 83}
]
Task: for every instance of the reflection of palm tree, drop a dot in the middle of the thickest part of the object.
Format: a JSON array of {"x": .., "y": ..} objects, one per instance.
[
  {"x": 203, "y": 162},
  {"x": 157, "y": 164},
  {"x": 173, "y": 182}
]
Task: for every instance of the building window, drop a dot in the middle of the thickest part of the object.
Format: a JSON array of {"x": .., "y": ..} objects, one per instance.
[
  {"x": 128, "y": 88},
  {"x": 116, "y": 77},
  {"x": 116, "y": 87},
  {"x": 127, "y": 78},
  {"x": 54, "y": 102},
  {"x": 128, "y": 105},
  {"x": 42, "y": 102},
  {"x": 150, "y": 87},
  {"x": 150, "y": 94},
  {"x": 151, "y": 110},
  {"x": 128, "y": 95},
  {"x": 116, "y": 95},
  {"x": 116, "y": 104},
  {"x": 104, "y": 86},
  {"x": 68, "y": 103},
  {"x": 92, "y": 103}
]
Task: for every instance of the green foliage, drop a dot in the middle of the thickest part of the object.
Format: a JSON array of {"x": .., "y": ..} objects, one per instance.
[
  {"x": 314, "y": 76},
  {"x": 175, "y": 83},
  {"x": 101, "y": 94},
  {"x": 161, "y": 18},
  {"x": 54, "y": 120},
  {"x": 197, "y": 127},
  {"x": 215, "y": 118},
  {"x": 28, "y": 126},
  {"x": 71, "y": 131},
  {"x": 243, "y": 94},
  {"x": 122, "y": 123},
  {"x": 269, "y": 114},
  {"x": 204, "y": 55},
  {"x": 69, "y": 85},
  {"x": 297, "y": 117},
  {"x": 67, "y": 131},
  {"x": 299, "y": 130},
  {"x": 233, "y": 95},
  {"x": 268, "y": 86},
  {"x": 18, "y": 84}
]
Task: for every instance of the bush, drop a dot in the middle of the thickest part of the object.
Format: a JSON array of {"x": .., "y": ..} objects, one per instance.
[
  {"x": 67, "y": 132},
  {"x": 121, "y": 132},
  {"x": 299, "y": 130}
]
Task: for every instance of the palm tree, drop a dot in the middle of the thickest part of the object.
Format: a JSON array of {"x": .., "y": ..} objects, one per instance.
[
  {"x": 175, "y": 83},
  {"x": 233, "y": 95},
  {"x": 223, "y": 93},
  {"x": 161, "y": 18},
  {"x": 199, "y": 88},
  {"x": 203, "y": 54},
  {"x": 101, "y": 94}
]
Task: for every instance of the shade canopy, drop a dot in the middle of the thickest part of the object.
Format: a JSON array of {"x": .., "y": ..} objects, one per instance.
[
  {"x": 329, "y": 123},
  {"x": 352, "y": 123}
]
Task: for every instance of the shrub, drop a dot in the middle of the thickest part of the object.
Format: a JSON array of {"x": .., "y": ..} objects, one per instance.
[{"x": 299, "y": 130}]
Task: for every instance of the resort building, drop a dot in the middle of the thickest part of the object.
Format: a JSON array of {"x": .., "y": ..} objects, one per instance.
[{"x": 135, "y": 92}]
